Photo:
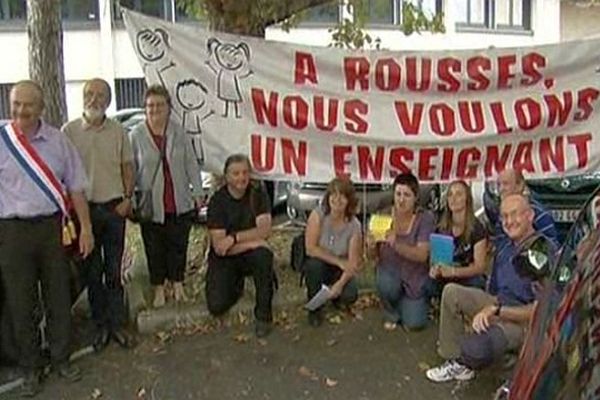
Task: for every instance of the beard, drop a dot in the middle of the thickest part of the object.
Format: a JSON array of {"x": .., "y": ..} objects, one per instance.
[{"x": 92, "y": 113}]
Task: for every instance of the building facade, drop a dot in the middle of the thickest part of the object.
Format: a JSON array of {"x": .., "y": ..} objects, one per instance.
[{"x": 96, "y": 43}]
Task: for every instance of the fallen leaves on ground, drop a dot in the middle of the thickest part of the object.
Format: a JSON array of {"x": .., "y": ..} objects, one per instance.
[
  {"x": 335, "y": 319},
  {"x": 330, "y": 382},
  {"x": 96, "y": 394},
  {"x": 423, "y": 366},
  {"x": 366, "y": 301},
  {"x": 308, "y": 373},
  {"x": 164, "y": 337},
  {"x": 331, "y": 342},
  {"x": 141, "y": 393},
  {"x": 242, "y": 338}
]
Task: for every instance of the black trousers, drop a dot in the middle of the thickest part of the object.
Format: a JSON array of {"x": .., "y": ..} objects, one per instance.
[
  {"x": 225, "y": 281},
  {"x": 101, "y": 270},
  {"x": 318, "y": 272},
  {"x": 30, "y": 252},
  {"x": 166, "y": 247}
]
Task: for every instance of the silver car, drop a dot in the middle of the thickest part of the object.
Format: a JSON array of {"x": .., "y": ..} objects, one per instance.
[{"x": 303, "y": 197}]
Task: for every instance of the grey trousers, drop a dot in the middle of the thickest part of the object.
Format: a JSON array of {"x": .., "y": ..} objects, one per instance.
[{"x": 476, "y": 350}]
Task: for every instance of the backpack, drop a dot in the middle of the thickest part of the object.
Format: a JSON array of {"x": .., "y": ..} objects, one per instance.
[{"x": 298, "y": 255}]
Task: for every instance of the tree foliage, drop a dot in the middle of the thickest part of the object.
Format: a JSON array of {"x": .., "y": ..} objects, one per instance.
[{"x": 252, "y": 17}]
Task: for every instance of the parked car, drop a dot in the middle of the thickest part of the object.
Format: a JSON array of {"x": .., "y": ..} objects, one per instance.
[
  {"x": 303, "y": 197},
  {"x": 563, "y": 197},
  {"x": 560, "y": 358},
  {"x": 129, "y": 117}
]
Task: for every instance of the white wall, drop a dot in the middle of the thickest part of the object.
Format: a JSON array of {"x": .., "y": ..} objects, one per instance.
[
  {"x": 545, "y": 29},
  {"x": 107, "y": 52},
  {"x": 578, "y": 22}
]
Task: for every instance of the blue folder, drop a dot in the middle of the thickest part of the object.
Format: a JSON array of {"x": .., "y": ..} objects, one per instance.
[{"x": 442, "y": 249}]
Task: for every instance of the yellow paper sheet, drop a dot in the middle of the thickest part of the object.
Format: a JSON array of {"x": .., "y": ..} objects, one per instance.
[{"x": 379, "y": 225}]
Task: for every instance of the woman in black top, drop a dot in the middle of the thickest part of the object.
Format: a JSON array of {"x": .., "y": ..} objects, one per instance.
[
  {"x": 239, "y": 222},
  {"x": 470, "y": 240}
]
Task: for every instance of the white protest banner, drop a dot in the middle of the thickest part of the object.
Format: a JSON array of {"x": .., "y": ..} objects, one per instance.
[{"x": 308, "y": 113}]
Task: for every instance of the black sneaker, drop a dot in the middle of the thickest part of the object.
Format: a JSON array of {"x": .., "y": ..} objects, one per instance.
[
  {"x": 101, "y": 339},
  {"x": 123, "y": 338},
  {"x": 315, "y": 318},
  {"x": 31, "y": 385},
  {"x": 69, "y": 372},
  {"x": 262, "y": 329}
]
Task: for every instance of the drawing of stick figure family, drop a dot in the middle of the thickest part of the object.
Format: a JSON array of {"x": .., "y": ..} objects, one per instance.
[{"x": 228, "y": 61}]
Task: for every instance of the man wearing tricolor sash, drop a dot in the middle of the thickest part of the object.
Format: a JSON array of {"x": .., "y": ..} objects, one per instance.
[{"x": 41, "y": 179}]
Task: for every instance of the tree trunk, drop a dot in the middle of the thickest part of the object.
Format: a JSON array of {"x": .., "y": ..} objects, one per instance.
[{"x": 46, "y": 67}]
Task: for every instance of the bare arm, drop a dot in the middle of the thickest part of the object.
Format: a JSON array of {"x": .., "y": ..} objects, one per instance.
[
  {"x": 128, "y": 178},
  {"x": 354, "y": 264},
  {"x": 86, "y": 238},
  {"x": 517, "y": 314},
  {"x": 477, "y": 267},
  {"x": 261, "y": 232},
  {"x": 239, "y": 242},
  {"x": 220, "y": 241}
]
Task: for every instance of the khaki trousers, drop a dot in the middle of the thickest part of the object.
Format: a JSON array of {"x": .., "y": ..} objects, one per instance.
[{"x": 461, "y": 303}]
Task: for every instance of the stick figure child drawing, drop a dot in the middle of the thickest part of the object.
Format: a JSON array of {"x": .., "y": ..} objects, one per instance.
[
  {"x": 191, "y": 96},
  {"x": 152, "y": 46},
  {"x": 230, "y": 63}
]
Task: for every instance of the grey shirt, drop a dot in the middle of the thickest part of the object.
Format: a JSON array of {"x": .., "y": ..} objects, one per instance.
[
  {"x": 184, "y": 168},
  {"x": 336, "y": 240}
]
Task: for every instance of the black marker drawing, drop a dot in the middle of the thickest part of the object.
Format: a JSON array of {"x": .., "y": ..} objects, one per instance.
[
  {"x": 230, "y": 63},
  {"x": 191, "y": 96},
  {"x": 152, "y": 46}
]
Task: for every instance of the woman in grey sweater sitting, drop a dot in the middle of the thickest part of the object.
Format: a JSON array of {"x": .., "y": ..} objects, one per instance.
[{"x": 333, "y": 246}]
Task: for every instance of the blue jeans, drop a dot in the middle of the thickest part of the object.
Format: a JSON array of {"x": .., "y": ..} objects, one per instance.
[
  {"x": 397, "y": 307},
  {"x": 101, "y": 271}
]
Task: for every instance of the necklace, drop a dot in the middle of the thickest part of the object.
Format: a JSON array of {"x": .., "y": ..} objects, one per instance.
[{"x": 331, "y": 240}]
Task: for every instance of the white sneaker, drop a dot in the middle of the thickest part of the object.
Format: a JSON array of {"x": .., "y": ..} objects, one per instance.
[{"x": 450, "y": 370}]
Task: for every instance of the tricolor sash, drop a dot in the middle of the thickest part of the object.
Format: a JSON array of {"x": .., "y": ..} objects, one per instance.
[{"x": 30, "y": 161}]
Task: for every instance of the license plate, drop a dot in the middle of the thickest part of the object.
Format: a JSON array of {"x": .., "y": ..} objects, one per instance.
[{"x": 568, "y": 215}]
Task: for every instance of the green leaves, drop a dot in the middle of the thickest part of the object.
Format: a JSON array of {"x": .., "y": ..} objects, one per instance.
[{"x": 252, "y": 17}]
